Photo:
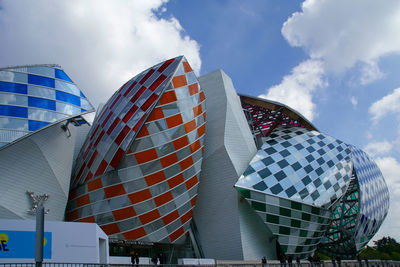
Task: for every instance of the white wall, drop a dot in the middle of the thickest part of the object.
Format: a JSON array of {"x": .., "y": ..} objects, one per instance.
[{"x": 70, "y": 242}]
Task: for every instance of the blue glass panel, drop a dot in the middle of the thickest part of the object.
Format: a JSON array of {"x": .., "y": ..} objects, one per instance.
[
  {"x": 62, "y": 75},
  {"x": 68, "y": 98},
  {"x": 13, "y": 87},
  {"x": 83, "y": 110},
  {"x": 34, "y": 125},
  {"x": 41, "y": 103},
  {"x": 40, "y": 80},
  {"x": 13, "y": 111},
  {"x": 82, "y": 95}
]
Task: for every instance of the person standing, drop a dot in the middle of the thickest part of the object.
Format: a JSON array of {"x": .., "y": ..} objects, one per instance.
[
  {"x": 137, "y": 259},
  {"x": 359, "y": 260},
  {"x": 264, "y": 262},
  {"x": 339, "y": 261},
  {"x": 290, "y": 260},
  {"x": 132, "y": 257},
  {"x": 298, "y": 261}
]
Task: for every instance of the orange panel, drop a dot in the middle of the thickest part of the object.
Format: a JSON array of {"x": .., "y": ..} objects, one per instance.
[
  {"x": 72, "y": 216},
  {"x": 142, "y": 132},
  {"x": 134, "y": 234},
  {"x": 204, "y": 116},
  {"x": 149, "y": 216},
  {"x": 195, "y": 146},
  {"x": 170, "y": 217},
  {"x": 83, "y": 200},
  {"x": 145, "y": 156},
  {"x": 88, "y": 219},
  {"x": 176, "y": 180},
  {"x": 187, "y": 216},
  {"x": 168, "y": 160},
  {"x": 115, "y": 190},
  {"x": 164, "y": 198},
  {"x": 202, "y": 97},
  {"x": 190, "y": 126},
  {"x": 95, "y": 184},
  {"x": 124, "y": 213},
  {"x": 193, "y": 200},
  {"x": 110, "y": 229},
  {"x": 155, "y": 178},
  {"x": 175, "y": 235},
  {"x": 187, "y": 67},
  {"x": 193, "y": 89},
  {"x": 191, "y": 182},
  {"x": 156, "y": 114},
  {"x": 197, "y": 110},
  {"x": 180, "y": 142},
  {"x": 201, "y": 130},
  {"x": 168, "y": 97},
  {"x": 179, "y": 81},
  {"x": 174, "y": 120},
  {"x": 186, "y": 163},
  {"x": 140, "y": 196}
]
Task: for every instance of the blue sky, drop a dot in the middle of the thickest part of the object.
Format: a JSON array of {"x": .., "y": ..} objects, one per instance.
[{"x": 335, "y": 61}]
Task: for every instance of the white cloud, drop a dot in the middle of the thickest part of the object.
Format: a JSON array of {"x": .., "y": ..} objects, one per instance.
[
  {"x": 100, "y": 44},
  {"x": 343, "y": 33},
  {"x": 387, "y": 104},
  {"x": 296, "y": 89},
  {"x": 378, "y": 148},
  {"x": 354, "y": 101},
  {"x": 390, "y": 168}
]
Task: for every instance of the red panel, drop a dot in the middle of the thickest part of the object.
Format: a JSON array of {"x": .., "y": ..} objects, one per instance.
[
  {"x": 102, "y": 167},
  {"x": 157, "y": 82},
  {"x": 191, "y": 182},
  {"x": 83, "y": 200},
  {"x": 174, "y": 120},
  {"x": 175, "y": 235},
  {"x": 107, "y": 118},
  {"x": 92, "y": 159},
  {"x": 89, "y": 176},
  {"x": 155, "y": 178},
  {"x": 149, "y": 216},
  {"x": 87, "y": 151},
  {"x": 134, "y": 234},
  {"x": 165, "y": 65},
  {"x": 110, "y": 229},
  {"x": 138, "y": 94},
  {"x": 80, "y": 171},
  {"x": 187, "y": 67},
  {"x": 149, "y": 101},
  {"x": 122, "y": 135},
  {"x": 168, "y": 160},
  {"x": 124, "y": 213},
  {"x": 145, "y": 156},
  {"x": 195, "y": 146},
  {"x": 156, "y": 114},
  {"x": 201, "y": 130},
  {"x": 202, "y": 97},
  {"x": 168, "y": 97},
  {"x": 170, "y": 217},
  {"x": 148, "y": 74},
  {"x": 140, "y": 196},
  {"x": 99, "y": 138},
  {"x": 130, "y": 88},
  {"x": 186, "y": 163},
  {"x": 164, "y": 198},
  {"x": 129, "y": 114},
  {"x": 193, "y": 200},
  {"x": 176, "y": 180},
  {"x": 113, "y": 125},
  {"x": 187, "y": 216},
  {"x": 95, "y": 184},
  {"x": 190, "y": 126},
  {"x": 115, "y": 190},
  {"x": 95, "y": 131},
  {"x": 180, "y": 142},
  {"x": 117, "y": 157},
  {"x": 115, "y": 101},
  {"x": 179, "y": 81},
  {"x": 193, "y": 89},
  {"x": 73, "y": 215},
  {"x": 88, "y": 220}
]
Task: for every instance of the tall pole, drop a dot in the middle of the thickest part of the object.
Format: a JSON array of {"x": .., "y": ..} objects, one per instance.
[{"x": 39, "y": 235}]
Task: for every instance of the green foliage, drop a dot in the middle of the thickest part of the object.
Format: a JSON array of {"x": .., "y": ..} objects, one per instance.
[{"x": 385, "y": 248}]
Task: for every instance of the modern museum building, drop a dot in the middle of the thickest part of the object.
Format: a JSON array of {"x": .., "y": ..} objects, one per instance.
[{"x": 184, "y": 166}]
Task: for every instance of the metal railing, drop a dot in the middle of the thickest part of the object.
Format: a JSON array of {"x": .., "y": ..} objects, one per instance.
[{"x": 346, "y": 263}]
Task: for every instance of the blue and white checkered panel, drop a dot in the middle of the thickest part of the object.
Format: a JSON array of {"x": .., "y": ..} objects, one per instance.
[
  {"x": 301, "y": 165},
  {"x": 374, "y": 196},
  {"x": 32, "y": 97}
]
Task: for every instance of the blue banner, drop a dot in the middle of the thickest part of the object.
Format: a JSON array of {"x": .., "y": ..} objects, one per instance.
[{"x": 21, "y": 244}]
